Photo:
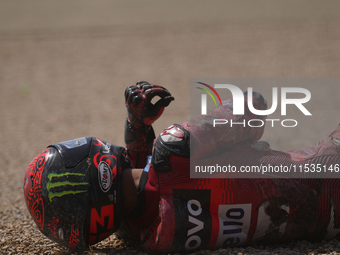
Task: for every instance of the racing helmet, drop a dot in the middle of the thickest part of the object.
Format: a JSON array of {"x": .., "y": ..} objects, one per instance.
[{"x": 73, "y": 192}]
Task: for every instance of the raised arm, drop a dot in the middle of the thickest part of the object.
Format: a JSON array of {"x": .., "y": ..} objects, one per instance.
[{"x": 141, "y": 113}]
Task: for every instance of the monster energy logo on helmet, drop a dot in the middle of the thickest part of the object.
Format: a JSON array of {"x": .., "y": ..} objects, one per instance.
[{"x": 58, "y": 186}]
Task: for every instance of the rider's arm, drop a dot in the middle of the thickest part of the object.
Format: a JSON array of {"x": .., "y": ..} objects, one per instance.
[{"x": 139, "y": 134}]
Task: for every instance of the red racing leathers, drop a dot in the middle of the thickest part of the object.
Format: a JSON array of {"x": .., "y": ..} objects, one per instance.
[{"x": 176, "y": 213}]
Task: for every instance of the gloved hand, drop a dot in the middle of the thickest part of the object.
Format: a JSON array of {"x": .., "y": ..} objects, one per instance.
[{"x": 138, "y": 98}]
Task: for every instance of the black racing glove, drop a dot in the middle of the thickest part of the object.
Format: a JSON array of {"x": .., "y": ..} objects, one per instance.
[
  {"x": 139, "y": 134},
  {"x": 138, "y": 98}
]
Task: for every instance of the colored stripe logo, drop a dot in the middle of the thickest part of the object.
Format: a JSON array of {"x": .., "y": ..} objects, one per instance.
[
  {"x": 52, "y": 185},
  {"x": 213, "y": 90}
]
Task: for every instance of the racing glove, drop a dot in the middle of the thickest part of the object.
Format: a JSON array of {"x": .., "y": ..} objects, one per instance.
[{"x": 141, "y": 113}]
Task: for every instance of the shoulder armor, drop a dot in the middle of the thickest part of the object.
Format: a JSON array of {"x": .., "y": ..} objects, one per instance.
[{"x": 174, "y": 140}]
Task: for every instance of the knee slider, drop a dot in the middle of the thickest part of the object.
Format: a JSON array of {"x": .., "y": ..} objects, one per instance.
[{"x": 174, "y": 140}]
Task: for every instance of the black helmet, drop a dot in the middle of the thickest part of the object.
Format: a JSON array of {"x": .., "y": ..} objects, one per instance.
[{"x": 72, "y": 190}]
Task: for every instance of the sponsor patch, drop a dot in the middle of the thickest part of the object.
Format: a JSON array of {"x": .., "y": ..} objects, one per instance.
[
  {"x": 192, "y": 219},
  {"x": 59, "y": 185},
  {"x": 234, "y": 224},
  {"x": 104, "y": 176}
]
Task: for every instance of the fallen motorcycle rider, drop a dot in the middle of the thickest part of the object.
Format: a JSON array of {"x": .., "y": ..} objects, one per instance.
[{"x": 81, "y": 191}]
